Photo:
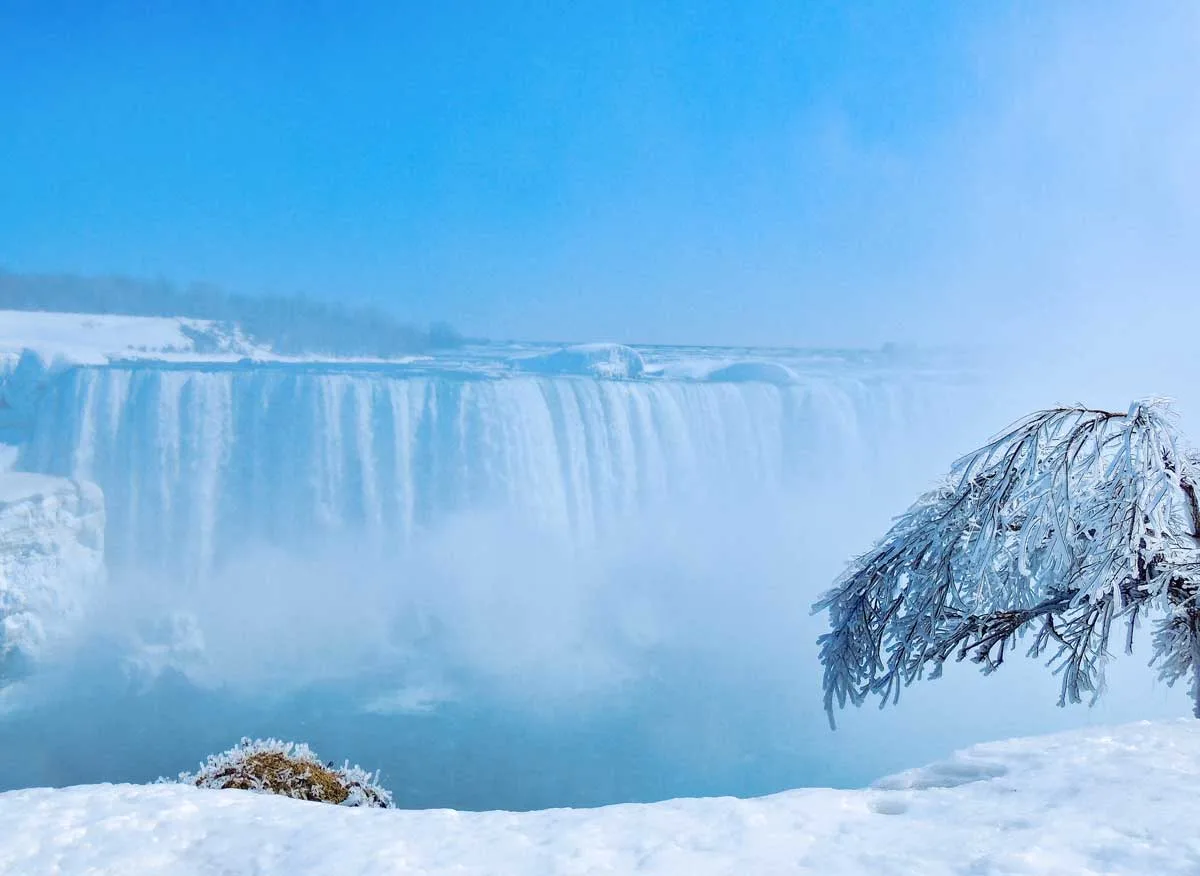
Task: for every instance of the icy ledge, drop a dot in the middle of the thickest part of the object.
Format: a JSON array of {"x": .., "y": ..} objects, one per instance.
[
  {"x": 1116, "y": 801},
  {"x": 51, "y": 558},
  {"x": 612, "y": 361}
]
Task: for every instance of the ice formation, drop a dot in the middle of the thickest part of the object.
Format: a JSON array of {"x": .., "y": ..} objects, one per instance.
[
  {"x": 586, "y": 360},
  {"x": 753, "y": 372},
  {"x": 199, "y": 461},
  {"x": 51, "y": 563}
]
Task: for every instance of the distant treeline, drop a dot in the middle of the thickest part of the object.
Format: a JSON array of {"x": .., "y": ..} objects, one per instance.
[{"x": 285, "y": 324}]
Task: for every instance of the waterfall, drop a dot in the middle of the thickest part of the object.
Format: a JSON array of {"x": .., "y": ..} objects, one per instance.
[
  {"x": 196, "y": 462},
  {"x": 584, "y": 587}
]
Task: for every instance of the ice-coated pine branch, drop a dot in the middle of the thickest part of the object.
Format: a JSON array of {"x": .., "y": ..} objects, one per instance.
[{"x": 1071, "y": 520}]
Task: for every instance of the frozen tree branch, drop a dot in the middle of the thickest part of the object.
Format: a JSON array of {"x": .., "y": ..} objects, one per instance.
[{"x": 1070, "y": 520}]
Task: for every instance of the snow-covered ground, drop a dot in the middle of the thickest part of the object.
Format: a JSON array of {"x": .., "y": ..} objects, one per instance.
[
  {"x": 65, "y": 339},
  {"x": 94, "y": 339},
  {"x": 1114, "y": 801}
]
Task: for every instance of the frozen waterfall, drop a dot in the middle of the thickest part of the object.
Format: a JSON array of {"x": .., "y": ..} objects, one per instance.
[
  {"x": 542, "y": 572},
  {"x": 197, "y": 461}
]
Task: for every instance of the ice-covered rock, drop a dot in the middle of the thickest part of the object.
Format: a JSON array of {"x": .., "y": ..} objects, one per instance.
[
  {"x": 753, "y": 372},
  {"x": 589, "y": 360},
  {"x": 51, "y": 558}
]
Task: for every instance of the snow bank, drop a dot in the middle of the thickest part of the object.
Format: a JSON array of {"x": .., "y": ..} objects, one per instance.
[
  {"x": 753, "y": 372},
  {"x": 94, "y": 339},
  {"x": 594, "y": 360},
  {"x": 1113, "y": 801},
  {"x": 51, "y": 555}
]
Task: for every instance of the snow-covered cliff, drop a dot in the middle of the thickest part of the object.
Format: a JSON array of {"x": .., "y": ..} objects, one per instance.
[
  {"x": 51, "y": 561},
  {"x": 36, "y": 346}
]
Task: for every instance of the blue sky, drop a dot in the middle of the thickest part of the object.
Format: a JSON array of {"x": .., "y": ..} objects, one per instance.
[{"x": 766, "y": 172}]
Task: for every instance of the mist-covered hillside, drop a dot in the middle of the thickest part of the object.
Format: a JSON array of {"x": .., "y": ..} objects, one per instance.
[{"x": 287, "y": 325}]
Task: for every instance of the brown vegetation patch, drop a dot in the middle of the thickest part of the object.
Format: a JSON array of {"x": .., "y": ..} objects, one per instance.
[{"x": 277, "y": 773}]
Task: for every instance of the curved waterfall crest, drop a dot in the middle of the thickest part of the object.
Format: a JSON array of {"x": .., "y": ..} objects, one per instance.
[{"x": 196, "y": 461}]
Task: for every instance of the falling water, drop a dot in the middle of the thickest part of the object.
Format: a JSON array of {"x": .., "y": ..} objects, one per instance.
[{"x": 196, "y": 463}]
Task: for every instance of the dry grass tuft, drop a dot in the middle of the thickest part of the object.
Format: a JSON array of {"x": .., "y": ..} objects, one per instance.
[
  {"x": 289, "y": 770},
  {"x": 276, "y": 773}
]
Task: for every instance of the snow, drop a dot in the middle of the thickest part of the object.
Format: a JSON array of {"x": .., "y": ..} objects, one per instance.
[
  {"x": 1115, "y": 800},
  {"x": 36, "y": 346},
  {"x": 88, "y": 338},
  {"x": 753, "y": 372},
  {"x": 64, "y": 339},
  {"x": 19, "y": 486},
  {"x": 51, "y": 558},
  {"x": 594, "y": 360}
]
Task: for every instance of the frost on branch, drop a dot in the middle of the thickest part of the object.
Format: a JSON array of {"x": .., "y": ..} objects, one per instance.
[
  {"x": 270, "y": 766},
  {"x": 1071, "y": 520}
]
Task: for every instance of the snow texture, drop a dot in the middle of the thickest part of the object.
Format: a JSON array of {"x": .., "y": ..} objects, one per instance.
[
  {"x": 1112, "y": 801},
  {"x": 95, "y": 339},
  {"x": 51, "y": 560}
]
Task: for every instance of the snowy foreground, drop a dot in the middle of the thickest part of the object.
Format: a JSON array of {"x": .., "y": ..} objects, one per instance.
[{"x": 1117, "y": 800}]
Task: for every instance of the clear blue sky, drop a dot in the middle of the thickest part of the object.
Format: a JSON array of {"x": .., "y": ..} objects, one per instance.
[{"x": 759, "y": 172}]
